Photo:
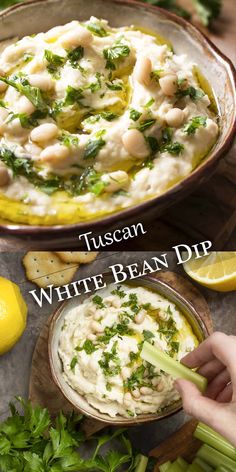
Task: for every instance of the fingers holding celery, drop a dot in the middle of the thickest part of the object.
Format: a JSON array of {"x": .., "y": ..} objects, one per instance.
[{"x": 215, "y": 360}]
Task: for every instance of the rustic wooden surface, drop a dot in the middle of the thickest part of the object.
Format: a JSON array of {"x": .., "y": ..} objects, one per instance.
[{"x": 42, "y": 389}]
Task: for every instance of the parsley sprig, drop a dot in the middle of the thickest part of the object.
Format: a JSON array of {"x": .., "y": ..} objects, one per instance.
[{"x": 31, "y": 441}]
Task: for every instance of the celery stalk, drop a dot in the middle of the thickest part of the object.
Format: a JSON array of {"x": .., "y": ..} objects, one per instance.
[
  {"x": 222, "y": 469},
  {"x": 142, "y": 463},
  {"x": 184, "y": 464},
  {"x": 204, "y": 466},
  {"x": 174, "y": 368},
  {"x": 175, "y": 467},
  {"x": 194, "y": 468},
  {"x": 165, "y": 467},
  {"x": 208, "y": 436},
  {"x": 216, "y": 458}
]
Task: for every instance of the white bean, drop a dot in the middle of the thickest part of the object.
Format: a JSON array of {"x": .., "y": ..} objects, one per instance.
[
  {"x": 174, "y": 117},
  {"x": 93, "y": 365},
  {"x": 125, "y": 373},
  {"x": 146, "y": 391},
  {"x": 135, "y": 144},
  {"x": 55, "y": 154},
  {"x": 127, "y": 398},
  {"x": 33, "y": 149},
  {"x": 16, "y": 132},
  {"x": 168, "y": 84},
  {"x": 136, "y": 393},
  {"x": 3, "y": 86},
  {"x": 115, "y": 180},
  {"x": 3, "y": 117},
  {"x": 25, "y": 106},
  {"x": 96, "y": 327},
  {"x": 44, "y": 133},
  {"x": 4, "y": 176},
  {"x": 160, "y": 386},
  {"x": 142, "y": 70},
  {"x": 139, "y": 318},
  {"x": 91, "y": 337},
  {"x": 13, "y": 53},
  {"x": 41, "y": 81},
  {"x": 78, "y": 37}
]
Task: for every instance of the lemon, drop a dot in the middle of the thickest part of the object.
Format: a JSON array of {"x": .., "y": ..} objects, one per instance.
[
  {"x": 13, "y": 314},
  {"x": 216, "y": 271}
]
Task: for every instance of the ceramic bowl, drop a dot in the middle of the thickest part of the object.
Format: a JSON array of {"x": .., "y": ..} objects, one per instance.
[
  {"x": 40, "y": 15},
  {"x": 78, "y": 401}
]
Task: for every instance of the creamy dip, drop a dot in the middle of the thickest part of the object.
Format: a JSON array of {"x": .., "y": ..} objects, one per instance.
[
  {"x": 94, "y": 119},
  {"x": 100, "y": 344}
]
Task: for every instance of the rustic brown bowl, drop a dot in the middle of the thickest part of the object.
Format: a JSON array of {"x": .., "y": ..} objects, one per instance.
[
  {"x": 40, "y": 15},
  {"x": 78, "y": 401}
]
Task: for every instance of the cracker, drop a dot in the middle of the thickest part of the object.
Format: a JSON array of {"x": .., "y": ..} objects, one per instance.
[
  {"x": 46, "y": 268},
  {"x": 77, "y": 256}
]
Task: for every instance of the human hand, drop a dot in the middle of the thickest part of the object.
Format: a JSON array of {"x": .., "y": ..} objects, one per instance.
[{"x": 215, "y": 359}]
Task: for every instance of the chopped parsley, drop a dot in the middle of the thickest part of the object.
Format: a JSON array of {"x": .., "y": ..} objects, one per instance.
[
  {"x": 136, "y": 380},
  {"x": 110, "y": 362},
  {"x": 95, "y": 86},
  {"x": 168, "y": 328},
  {"x": 174, "y": 148},
  {"x": 132, "y": 303},
  {"x": 73, "y": 96},
  {"x": 174, "y": 348},
  {"x": 145, "y": 124},
  {"x": 115, "y": 53},
  {"x": 118, "y": 291},
  {"x": 149, "y": 103},
  {"x": 147, "y": 335},
  {"x": 34, "y": 94},
  {"x": 97, "y": 29},
  {"x": 156, "y": 74},
  {"x": 115, "y": 85},
  {"x": 93, "y": 147},
  {"x": 153, "y": 144},
  {"x": 98, "y": 301},
  {"x": 108, "y": 115},
  {"x": 120, "y": 329},
  {"x": 195, "y": 123},
  {"x": 134, "y": 114},
  {"x": 69, "y": 140},
  {"x": 26, "y": 121},
  {"x": 88, "y": 347},
  {"x": 55, "y": 62},
  {"x": 166, "y": 135},
  {"x": 192, "y": 92},
  {"x": 75, "y": 55},
  {"x": 73, "y": 363},
  {"x": 134, "y": 356}
]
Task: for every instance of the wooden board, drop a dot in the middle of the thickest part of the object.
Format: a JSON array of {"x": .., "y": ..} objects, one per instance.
[{"x": 42, "y": 389}]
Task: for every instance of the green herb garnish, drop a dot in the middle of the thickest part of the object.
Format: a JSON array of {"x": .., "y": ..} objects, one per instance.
[
  {"x": 75, "y": 55},
  {"x": 88, "y": 347},
  {"x": 98, "y": 301},
  {"x": 97, "y": 29},
  {"x": 73, "y": 96},
  {"x": 73, "y": 363},
  {"x": 115, "y": 53},
  {"x": 134, "y": 114},
  {"x": 195, "y": 123},
  {"x": 93, "y": 147},
  {"x": 55, "y": 62}
]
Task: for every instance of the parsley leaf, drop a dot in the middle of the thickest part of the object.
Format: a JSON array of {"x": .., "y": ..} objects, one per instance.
[
  {"x": 98, "y": 301},
  {"x": 97, "y": 29},
  {"x": 73, "y": 96},
  {"x": 75, "y": 55},
  {"x": 192, "y": 92},
  {"x": 114, "y": 53},
  {"x": 88, "y": 347},
  {"x": 145, "y": 124},
  {"x": 93, "y": 147},
  {"x": 115, "y": 85},
  {"x": 118, "y": 291},
  {"x": 69, "y": 140},
  {"x": 134, "y": 114},
  {"x": 174, "y": 148},
  {"x": 34, "y": 94},
  {"x": 73, "y": 363},
  {"x": 55, "y": 62},
  {"x": 195, "y": 123}
]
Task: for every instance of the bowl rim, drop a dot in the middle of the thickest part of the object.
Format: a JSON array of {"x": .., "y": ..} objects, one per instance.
[
  {"x": 201, "y": 172},
  {"x": 145, "y": 418}
]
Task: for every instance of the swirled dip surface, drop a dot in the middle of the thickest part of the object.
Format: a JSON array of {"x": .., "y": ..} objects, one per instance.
[
  {"x": 95, "y": 119},
  {"x": 100, "y": 346}
]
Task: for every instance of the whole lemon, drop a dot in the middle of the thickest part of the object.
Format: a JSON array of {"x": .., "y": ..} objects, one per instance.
[{"x": 13, "y": 314}]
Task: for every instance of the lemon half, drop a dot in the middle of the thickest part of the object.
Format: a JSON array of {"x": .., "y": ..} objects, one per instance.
[
  {"x": 216, "y": 271},
  {"x": 13, "y": 314}
]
